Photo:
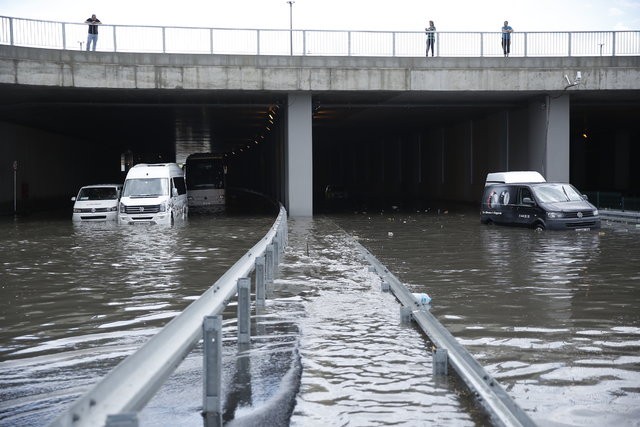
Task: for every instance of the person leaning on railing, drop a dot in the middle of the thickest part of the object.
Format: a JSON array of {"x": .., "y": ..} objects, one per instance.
[
  {"x": 93, "y": 31},
  {"x": 506, "y": 38}
]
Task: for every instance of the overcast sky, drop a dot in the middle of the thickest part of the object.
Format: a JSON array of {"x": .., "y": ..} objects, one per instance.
[{"x": 392, "y": 15}]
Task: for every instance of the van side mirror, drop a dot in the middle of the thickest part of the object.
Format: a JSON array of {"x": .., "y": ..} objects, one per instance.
[
  {"x": 73, "y": 199},
  {"x": 174, "y": 192},
  {"x": 527, "y": 201},
  {"x": 584, "y": 196}
]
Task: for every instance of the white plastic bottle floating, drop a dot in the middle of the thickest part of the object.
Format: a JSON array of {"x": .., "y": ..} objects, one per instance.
[{"x": 422, "y": 298}]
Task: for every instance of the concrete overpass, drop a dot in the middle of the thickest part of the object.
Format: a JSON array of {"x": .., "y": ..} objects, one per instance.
[{"x": 386, "y": 128}]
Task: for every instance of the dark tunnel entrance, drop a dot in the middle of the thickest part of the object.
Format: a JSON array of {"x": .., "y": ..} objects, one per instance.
[{"x": 370, "y": 150}]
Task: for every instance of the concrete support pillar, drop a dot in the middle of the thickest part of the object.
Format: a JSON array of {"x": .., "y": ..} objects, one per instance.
[
  {"x": 299, "y": 155},
  {"x": 549, "y": 133}
]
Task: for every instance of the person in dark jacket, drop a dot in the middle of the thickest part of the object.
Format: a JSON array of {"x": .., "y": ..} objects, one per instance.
[
  {"x": 93, "y": 31},
  {"x": 431, "y": 37}
]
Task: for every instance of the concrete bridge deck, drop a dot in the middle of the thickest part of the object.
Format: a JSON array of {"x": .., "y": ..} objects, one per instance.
[{"x": 467, "y": 115}]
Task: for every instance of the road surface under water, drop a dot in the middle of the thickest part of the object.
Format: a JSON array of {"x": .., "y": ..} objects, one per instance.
[{"x": 553, "y": 316}]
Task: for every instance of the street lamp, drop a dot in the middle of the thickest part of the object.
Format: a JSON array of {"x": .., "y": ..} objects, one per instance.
[{"x": 291, "y": 26}]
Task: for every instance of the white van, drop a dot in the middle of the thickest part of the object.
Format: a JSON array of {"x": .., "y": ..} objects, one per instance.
[
  {"x": 96, "y": 203},
  {"x": 153, "y": 194}
]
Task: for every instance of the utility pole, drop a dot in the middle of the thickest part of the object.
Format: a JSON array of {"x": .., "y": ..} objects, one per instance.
[{"x": 291, "y": 26}]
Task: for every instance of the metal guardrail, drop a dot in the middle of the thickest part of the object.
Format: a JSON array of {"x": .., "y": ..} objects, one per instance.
[
  {"x": 613, "y": 200},
  {"x": 239, "y": 41},
  {"x": 131, "y": 384},
  {"x": 628, "y": 217},
  {"x": 488, "y": 393}
]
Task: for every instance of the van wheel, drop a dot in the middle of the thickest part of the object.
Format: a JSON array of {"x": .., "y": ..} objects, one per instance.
[{"x": 538, "y": 226}]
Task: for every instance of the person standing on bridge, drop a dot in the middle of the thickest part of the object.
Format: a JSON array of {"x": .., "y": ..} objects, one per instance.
[
  {"x": 506, "y": 38},
  {"x": 93, "y": 31},
  {"x": 431, "y": 37}
]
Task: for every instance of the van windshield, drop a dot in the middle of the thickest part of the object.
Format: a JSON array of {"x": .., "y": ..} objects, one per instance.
[
  {"x": 98, "y": 193},
  {"x": 146, "y": 187},
  {"x": 550, "y": 193}
]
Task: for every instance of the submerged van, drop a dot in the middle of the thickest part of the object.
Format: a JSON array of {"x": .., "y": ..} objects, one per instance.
[
  {"x": 153, "y": 194},
  {"x": 525, "y": 199},
  {"x": 96, "y": 203}
]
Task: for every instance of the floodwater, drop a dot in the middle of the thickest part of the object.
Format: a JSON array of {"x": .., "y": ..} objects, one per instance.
[{"x": 554, "y": 316}]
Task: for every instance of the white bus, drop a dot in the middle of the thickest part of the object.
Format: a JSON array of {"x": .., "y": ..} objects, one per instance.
[{"x": 205, "y": 175}]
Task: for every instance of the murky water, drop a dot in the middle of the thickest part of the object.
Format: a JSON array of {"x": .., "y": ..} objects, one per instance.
[{"x": 553, "y": 316}]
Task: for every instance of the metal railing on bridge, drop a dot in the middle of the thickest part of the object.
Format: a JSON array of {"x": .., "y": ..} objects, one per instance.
[{"x": 230, "y": 41}]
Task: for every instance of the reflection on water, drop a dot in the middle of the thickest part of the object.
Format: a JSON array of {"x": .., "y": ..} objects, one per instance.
[
  {"x": 553, "y": 315},
  {"x": 360, "y": 366},
  {"x": 76, "y": 299}
]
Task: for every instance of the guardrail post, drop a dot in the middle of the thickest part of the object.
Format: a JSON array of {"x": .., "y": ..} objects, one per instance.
[
  {"x": 260, "y": 288},
  {"x": 405, "y": 314},
  {"x": 125, "y": 419},
  {"x": 268, "y": 256},
  {"x": 440, "y": 362},
  {"x": 212, "y": 353},
  {"x": 276, "y": 252},
  {"x": 244, "y": 320}
]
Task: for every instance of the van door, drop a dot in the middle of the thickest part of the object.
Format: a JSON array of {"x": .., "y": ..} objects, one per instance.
[
  {"x": 179, "y": 197},
  {"x": 527, "y": 211}
]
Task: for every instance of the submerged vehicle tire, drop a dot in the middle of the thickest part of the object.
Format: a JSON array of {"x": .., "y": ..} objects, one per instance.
[{"x": 539, "y": 226}]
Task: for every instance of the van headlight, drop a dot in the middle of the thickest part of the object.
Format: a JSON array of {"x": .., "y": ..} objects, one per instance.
[
  {"x": 123, "y": 208},
  {"x": 554, "y": 215},
  {"x": 163, "y": 207},
  {"x": 595, "y": 212},
  {"x": 113, "y": 209}
]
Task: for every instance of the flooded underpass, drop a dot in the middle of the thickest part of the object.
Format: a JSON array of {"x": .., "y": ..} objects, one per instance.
[{"x": 553, "y": 316}]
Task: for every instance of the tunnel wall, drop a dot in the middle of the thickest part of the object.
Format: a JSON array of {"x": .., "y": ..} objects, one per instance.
[
  {"x": 420, "y": 167},
  {"x": 51, "y": 168}
]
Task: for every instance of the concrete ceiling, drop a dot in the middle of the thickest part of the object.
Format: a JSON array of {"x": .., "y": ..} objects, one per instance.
[{"x": 231, "y": 119}]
